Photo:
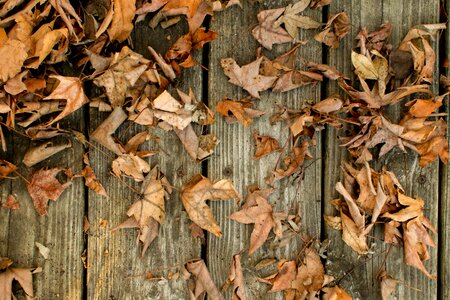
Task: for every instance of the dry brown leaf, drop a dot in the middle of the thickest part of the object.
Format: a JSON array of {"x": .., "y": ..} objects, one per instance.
[
  {"x": 43, "y": 186},
  {"x": 194, "y": 195},
  {"x": 256, "y": 210},
  {"x": 284, "y": 277},
  {"x": 264, "y": 145},
  {"x": 149, "y": 210},
  {"x": 236, "y": 277},
  {"x": 45, "y": 41},
  {"x": 12, "y": 57},
  {"x": 103, "y": 133},
  {"x": 44, "y": 251},
  {"x": 310, "y": 274},
  {"x": 91, "y": 179},
  {"x": 6, "y": 168},
  {"x": 22, "y": 275},
  {"x": 319, "y": 3},
  {"x": 39, "y": 153},
  {"x": 247, "y": 76},
  {"x": 122, "y": 19},
  {"x": 241, "y": 110},
  {"x": 200, "y": 281},
  {"x": 71, "y": 90},
  {"x": 337, "y": 27},
  {"x": 131, "y": 165},
  {"x": 292, "y": 21},
  {"x": 352, "y": 236},
  {"x": 388, "y": 285},
  {"x": 198, "y": 147},
  {"x": 335, "y": 293},
  {"x": 11, "y": 203},
  {"x": 266, "y": 33}
]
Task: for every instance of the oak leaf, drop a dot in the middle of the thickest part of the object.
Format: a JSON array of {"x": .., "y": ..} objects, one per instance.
[
  {"x": 194, "y": 195},
  {"x": 247, "y": 76},
  {"x": 43, "y": 186}
]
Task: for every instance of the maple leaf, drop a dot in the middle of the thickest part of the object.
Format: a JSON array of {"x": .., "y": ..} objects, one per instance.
[
  {"x": 258, "y": 211},
  {"x": 149, "y": 211},
  {"x": 264, "y": 145},
  {"x": 194, "y": 195},
  {"x": 292, "y": 21},
  {"x": 266, "y": 33},
  {"x": 122, "y": 19},
  {"x": 22, "y": 275},
  {"x": 241, "y": 110},
  {"x": 43, "y": 186},
  {"x": 310, "y": 274},
  {"x": 71, "y": 90},
  {"x": 200, "y": 280},
  {"x": 247, "y": 76},
  {"x": 284, "y": 277}
]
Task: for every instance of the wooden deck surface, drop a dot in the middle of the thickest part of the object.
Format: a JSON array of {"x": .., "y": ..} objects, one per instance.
[{"x": 113, "y": 258}]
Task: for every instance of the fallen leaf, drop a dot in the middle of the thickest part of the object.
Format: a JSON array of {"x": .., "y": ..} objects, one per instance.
[
  {"x": 122, "y": 19},
  {"x": 11, "y": 203},
  {"x": 264, "y": 145},
  {"x": 236, "y": 277},
  {"x": 6, "y": 168},
  {"x": 241, "y": 110},
  {"x": 22, "y": 275},
  {"x": 71, "y": 90},
  {"x": 292, "y": 21},
  {"x": 44, "y": 186},
  {"x": 256, "y": 210},
  {"x": 310, "y": 274},
  {"x": 131, "y": 165},
  {"x": 200, "y": 281},
  {"x": 90, "y": 178},
  {"x": 103, "y": 133},
  {"x": 39, "y": 153},
  {"x": 337, "y": 27},
  {"x": 335, "y": 293},
  {"x": 247, "y": 76},
  {"x": 12, "y": 57},
  {"x": 266, "y": 33},
  {"x": 44, "y": 251},
  {"x": 388, "y": 285},
  {"x": 286, "y": 274},
  {"x": 194, "y": 195}
]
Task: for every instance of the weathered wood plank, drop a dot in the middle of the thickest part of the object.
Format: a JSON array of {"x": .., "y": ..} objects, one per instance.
[
  {"x": 114, "y": 256},
  {"x": 61, "y": 230},
  {"x": 233, "y": 158},
  {"x": 361, "y": 282},
  {"x": 444, "y": 203}
]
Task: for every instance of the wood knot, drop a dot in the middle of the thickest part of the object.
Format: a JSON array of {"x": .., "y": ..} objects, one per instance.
[
  {"x": 227, "y": 171},
  {"x": 422, "y": 179}
]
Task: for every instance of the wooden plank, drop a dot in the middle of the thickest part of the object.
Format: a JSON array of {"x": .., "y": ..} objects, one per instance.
[
  {"x": 61, "y": 230},
  {"x": 361, "y": 282},
  {"x": 233, "y": 158},
  {"x": 114, "y": 256},
  {"x": 444, "y": 203}
]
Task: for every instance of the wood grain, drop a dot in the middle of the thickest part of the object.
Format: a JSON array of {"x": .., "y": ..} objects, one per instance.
[
  {"x": 233, "y": 159},
  {"x": 444, "y": 201},
  {"x": 361, "y": 281},
  {"x": 112, "y": 257},
  {"x": 61, "y": 230}
]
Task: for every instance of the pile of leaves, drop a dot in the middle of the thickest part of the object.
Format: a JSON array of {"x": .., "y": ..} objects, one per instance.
[{"x": 38, "y": 38}]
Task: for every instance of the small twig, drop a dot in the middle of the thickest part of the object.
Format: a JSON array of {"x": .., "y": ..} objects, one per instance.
[
  {"x": 126, "y": 184},
  {"x": 22, "y": 177}
]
